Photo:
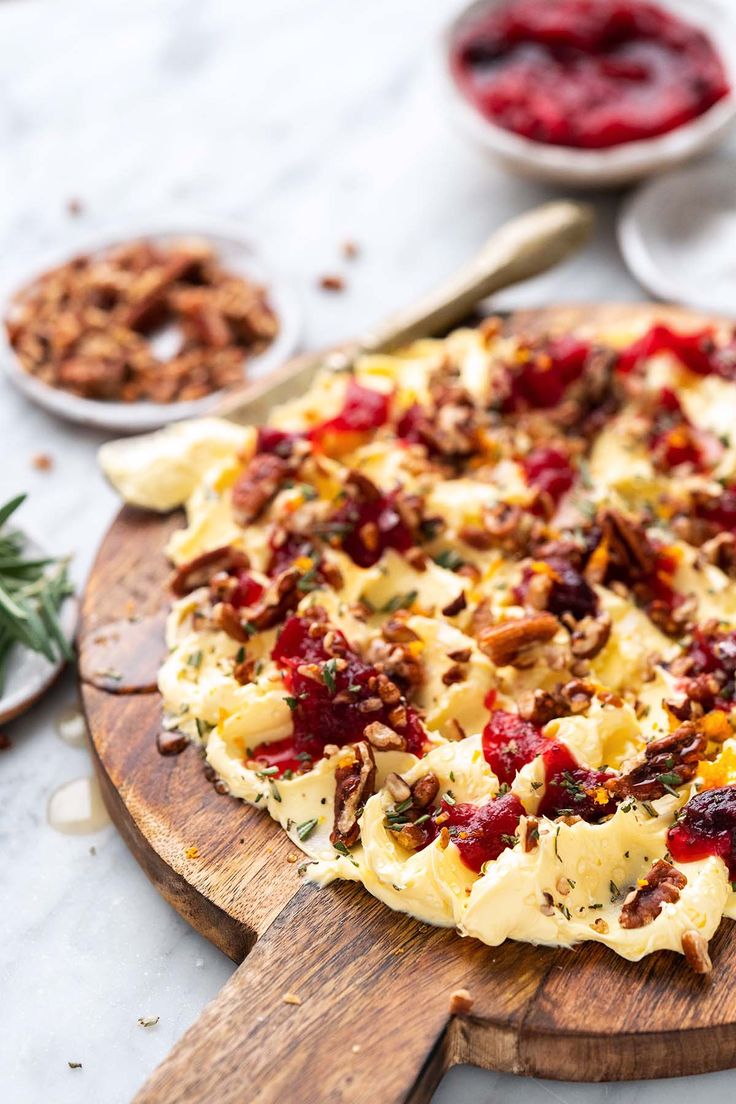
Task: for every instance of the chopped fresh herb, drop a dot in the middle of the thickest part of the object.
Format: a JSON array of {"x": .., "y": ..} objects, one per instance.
[
  {"x": 650, "y": 810},
  {"x": 250, "y": 628},
  {"x": 400, "y": 601},
  {"x": 449, "y": 559},
  {"x": 669, "y": 781},
  {"x": 557, "y": 836},
  {"x": 305, "y": 829},
  {"x": 615, "y": 891},
  {"x": 354, "y": 688},
  {"x": 240, "y": 654},
  {"x": 32, "y": 591},
  {"x": 329, "y": 674},
  {"x": 511, "y": 841},
  {"x": 203, "y": 728},
  {"x": 452, "y": 776},
  {"x": 341, "y": 849},
  {"x": 195, "y": 659},
  {"x": 291, "y": 702},
  {"x": 266, "y": 772},
  {"x": 449, "y": 797},
  {"x": 274, "y": 791}
]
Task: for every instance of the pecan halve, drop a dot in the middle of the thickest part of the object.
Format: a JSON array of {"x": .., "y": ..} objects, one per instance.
[
  {"x": 383, "y": 738},
  {"x": 256, "y": 485},
  {"x": 504, "y": 643},
  {"x": 590, "y": 636},
  {"x": 644, "y": 904},
  {"x": 198, "y": 572},
  {"x": 425, "y": 790},
  {"x": 355, "y": 779},
  {"x": 279, "y": 598},
  {"x": 695, "y": 949},
  {"x": 668, "y": 762}
]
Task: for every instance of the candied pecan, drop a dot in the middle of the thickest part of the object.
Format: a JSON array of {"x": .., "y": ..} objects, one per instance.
[
  {"x": 457, "y": 605},
  {"x": 505, "y": 643},
  {"x": 396, "y": 631},
  {"x": 506, "y": 527},
  {"x": 396, "y": 662},
  {"x": 721, "y": 551},
  {"x": 590, "y": 636},
  {"x": 397, "y": 787},
  {"x": 383, "y": 738},
  {"x": 199, "y": 571},
  {"x": 453, "y": 675},
  {"x": 542, "y": 706},
  {"x": 644, "y": 904},
  {"x": 425, "y": 790},
  {"x": 667, "y": 762},
  {"x": 411, "y": 837},
  {"x": 256, "y": 485},
  {"x": 482, "y": 617},
  {"x": 695, "y": 949},
  {"x": 355, "y": 779},
  {"x": 627, "y": 549}
]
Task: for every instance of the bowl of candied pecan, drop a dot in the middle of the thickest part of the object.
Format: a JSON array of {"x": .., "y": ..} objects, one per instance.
[{"x": 147, "y": 328}]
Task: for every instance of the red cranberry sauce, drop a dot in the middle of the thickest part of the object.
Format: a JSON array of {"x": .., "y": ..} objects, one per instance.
[
  {"x": 549, "y": 470},
  {"x": 363, "y": 410},
  {"x": 706, "y": 826},
  {"x": 569, "y": 592},
  {"x": 713, "y": 653},
  {"x": 571, "y": 790},
  {"x": 247, "y": 591},
  {"x": 327, "y": 711},
  {"x": 509, "y": 743},
  {"x": 586, "y": 73},
  {"x": 365, "y": 527},
  {"x": 720, "y": 511},
  {"x": 546, "y": 372},
  {"x": 697, "y": 351},
  {"x": 674, "y": 440},
  {"x": 482, "y": 832}
]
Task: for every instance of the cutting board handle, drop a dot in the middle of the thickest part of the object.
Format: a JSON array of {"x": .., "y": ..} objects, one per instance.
[{"x": 311, "y": 1017}]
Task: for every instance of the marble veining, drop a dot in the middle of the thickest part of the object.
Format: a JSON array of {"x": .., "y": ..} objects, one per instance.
[{"x": 307, "y": 124}]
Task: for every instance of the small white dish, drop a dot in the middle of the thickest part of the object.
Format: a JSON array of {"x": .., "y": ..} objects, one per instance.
[
  {"x": 234, "y": 252},
  {"x": 28, "y": 675},
  {"x": 618, "y": 165},
  {"x": 678, "y": 236}
]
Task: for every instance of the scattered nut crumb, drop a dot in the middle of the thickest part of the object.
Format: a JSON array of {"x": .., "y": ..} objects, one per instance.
[
  {"x": 148, "y": 1021},
  {"x": 291, "y": 998},
  {"x": 460, "y": 1002},
  {"x": 74, "y": 206},
  {"x": 192, "y": 852},
  {"x": 695, "y": 947},
  {"x": 42, "y": 461},
  {"x": 93, "y": 850},
  {"x": 332, "y": 282},
  {"x": 350, "y": 249},
  {"x": 292, "y": 857},
  {"x": 355, "y": 1048},
  {"x": 74, "y": 1065}
]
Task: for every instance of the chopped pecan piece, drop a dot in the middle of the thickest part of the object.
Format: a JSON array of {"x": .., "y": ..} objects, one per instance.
[
  {"x": 383, "y": 738},
  {"x": 397, "y": 787},
  {"x": 668, "y": 762},
  {"x": 721, "y": 551},
  {"x": 528, "y": 832},
  {"x": 506, "y": 642},
  {"x": 355, "y": 779},
  {"x": 542, "y": 706},
  {"x": 695, "y": 948},
  {"x": 644, "y": 904},
  {"x": 171, "y": 743},
  {"x": 425, "y": 790},
  {"x": 461, "y": 1002},
  {"x": 457, "y": 605},
  {"x": 623, "y": 547},
  {"x": 199, "y": 571},
  {"x": 590, "y": 636},
  {"x": 256, "y": 485},
  {"x": 279, "y": 598}
]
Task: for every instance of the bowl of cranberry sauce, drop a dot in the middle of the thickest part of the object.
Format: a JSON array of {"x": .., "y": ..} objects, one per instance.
[{"x": 592, "y": 92}]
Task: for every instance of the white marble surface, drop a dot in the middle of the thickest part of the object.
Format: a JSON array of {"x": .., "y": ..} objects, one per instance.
[{"x": 308, "y": 122}]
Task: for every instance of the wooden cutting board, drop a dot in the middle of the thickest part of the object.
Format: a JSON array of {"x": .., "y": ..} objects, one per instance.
[{"x": 372, "y": 1023}]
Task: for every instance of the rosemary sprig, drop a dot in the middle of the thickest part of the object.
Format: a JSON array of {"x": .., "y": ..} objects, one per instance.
[{"x": 32, "y": 591}]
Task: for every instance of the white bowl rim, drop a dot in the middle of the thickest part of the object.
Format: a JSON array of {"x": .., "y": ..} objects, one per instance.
[
  {"x": 633, "y": 241},
  {"x": 139, "y": 416},
  {"x": 628, "y": 159}
]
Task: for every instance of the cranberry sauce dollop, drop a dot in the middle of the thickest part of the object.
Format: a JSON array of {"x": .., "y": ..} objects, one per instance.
[
  {"x": 706, "y": 826},
  {"x": 509, "y": 743},
  {"x": 325, "y": 710},
  {"x": 674, "y": 440},
  {"x": 363, "y": 409},
  {"x": 698, "y": 351},
  {"x": 544, "y": 372},
  {"x": 482, "y": 832},
  {"x": 586, "y": 73},
  {"x": 549, "y": 471}
]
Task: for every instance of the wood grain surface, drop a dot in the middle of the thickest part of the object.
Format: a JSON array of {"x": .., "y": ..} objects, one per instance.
[{"x": 373, "y": 987}]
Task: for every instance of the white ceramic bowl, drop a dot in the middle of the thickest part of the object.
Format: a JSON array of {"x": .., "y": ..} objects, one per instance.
[
  {"x": 678, "y": 236},
  {"x": 233, "y": 251},
  {"x": 607, "y": 167}
]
